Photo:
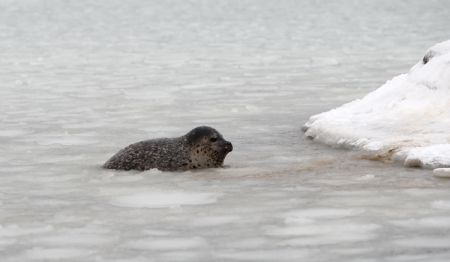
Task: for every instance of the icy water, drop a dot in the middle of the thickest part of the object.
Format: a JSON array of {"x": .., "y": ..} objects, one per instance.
[{"x": 81, "y": 79}]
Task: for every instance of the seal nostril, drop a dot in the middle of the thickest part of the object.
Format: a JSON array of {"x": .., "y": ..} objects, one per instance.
[{"x": 229, "y": 146}]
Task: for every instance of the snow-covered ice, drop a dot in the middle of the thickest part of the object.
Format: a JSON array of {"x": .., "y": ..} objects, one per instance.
[
  {"x": 81, "y": 79},
  {"x": 406, "y": 119}
]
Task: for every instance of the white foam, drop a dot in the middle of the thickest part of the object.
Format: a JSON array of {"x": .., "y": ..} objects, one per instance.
[
  {"x": 406, "y": 119},
  {"x": 164, "y": 199}
]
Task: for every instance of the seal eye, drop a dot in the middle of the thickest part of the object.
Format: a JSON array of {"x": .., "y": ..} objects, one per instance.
[{"x": 213, "y": 139}]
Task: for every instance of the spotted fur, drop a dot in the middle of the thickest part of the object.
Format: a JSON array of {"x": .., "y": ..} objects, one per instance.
[{"x": 202, "y": 147}]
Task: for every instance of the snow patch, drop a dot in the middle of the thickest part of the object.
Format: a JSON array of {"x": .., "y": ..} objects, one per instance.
[{"x": 407, "y": 119}]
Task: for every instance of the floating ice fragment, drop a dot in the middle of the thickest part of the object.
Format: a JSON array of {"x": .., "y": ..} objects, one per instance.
[
  {"x": 168, "y": 243},
  {"x": 326, "y": 229},
  {"x": 182, "y": 256},
  {"x": 263, "y": 255},
  {"x": 366, "y": 177},
  {"x": 15, "y": 230},
  {"x": 442, "y": 172},
  {"x": 164, "y": 199},
  {"x": 74, "y": 239},
  {"x": 12, "y": 132},
  {"x": 329, "y": 239},
  {"x": 213, "y": 221},
  {"x": 56, "y": 253},
  {"x": 424, "y": 242},
  {"x": 67, "y": 140},
  {"x": 427, "y": 222},
  {"x": 440, "y": 204},
  {"x": 305, "y": 215},
  {"x": 6, "y": 242}
]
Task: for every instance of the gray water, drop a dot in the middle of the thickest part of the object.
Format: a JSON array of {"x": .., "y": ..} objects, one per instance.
[{"x": 81, "y": 79}]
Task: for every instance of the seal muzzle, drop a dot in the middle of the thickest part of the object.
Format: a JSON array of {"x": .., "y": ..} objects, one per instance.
[{"x": 228, "y": 146}]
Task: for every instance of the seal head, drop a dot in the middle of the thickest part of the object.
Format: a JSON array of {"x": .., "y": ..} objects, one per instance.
[{"x": 208, "y": 147}]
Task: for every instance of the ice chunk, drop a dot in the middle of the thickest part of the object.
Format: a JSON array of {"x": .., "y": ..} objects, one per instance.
[
  {"x": 442, "y": 172},
  {"x": 407, "y": 119}
]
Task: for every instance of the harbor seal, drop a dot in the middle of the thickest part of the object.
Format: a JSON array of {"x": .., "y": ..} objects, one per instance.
[{"x": 202, "y": 147}]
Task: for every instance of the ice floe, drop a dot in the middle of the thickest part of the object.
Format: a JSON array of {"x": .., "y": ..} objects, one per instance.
[{"x": 406, "y": 119}]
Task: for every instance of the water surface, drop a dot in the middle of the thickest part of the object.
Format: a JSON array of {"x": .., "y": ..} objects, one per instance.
[{"x": 79, "y": 80}]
